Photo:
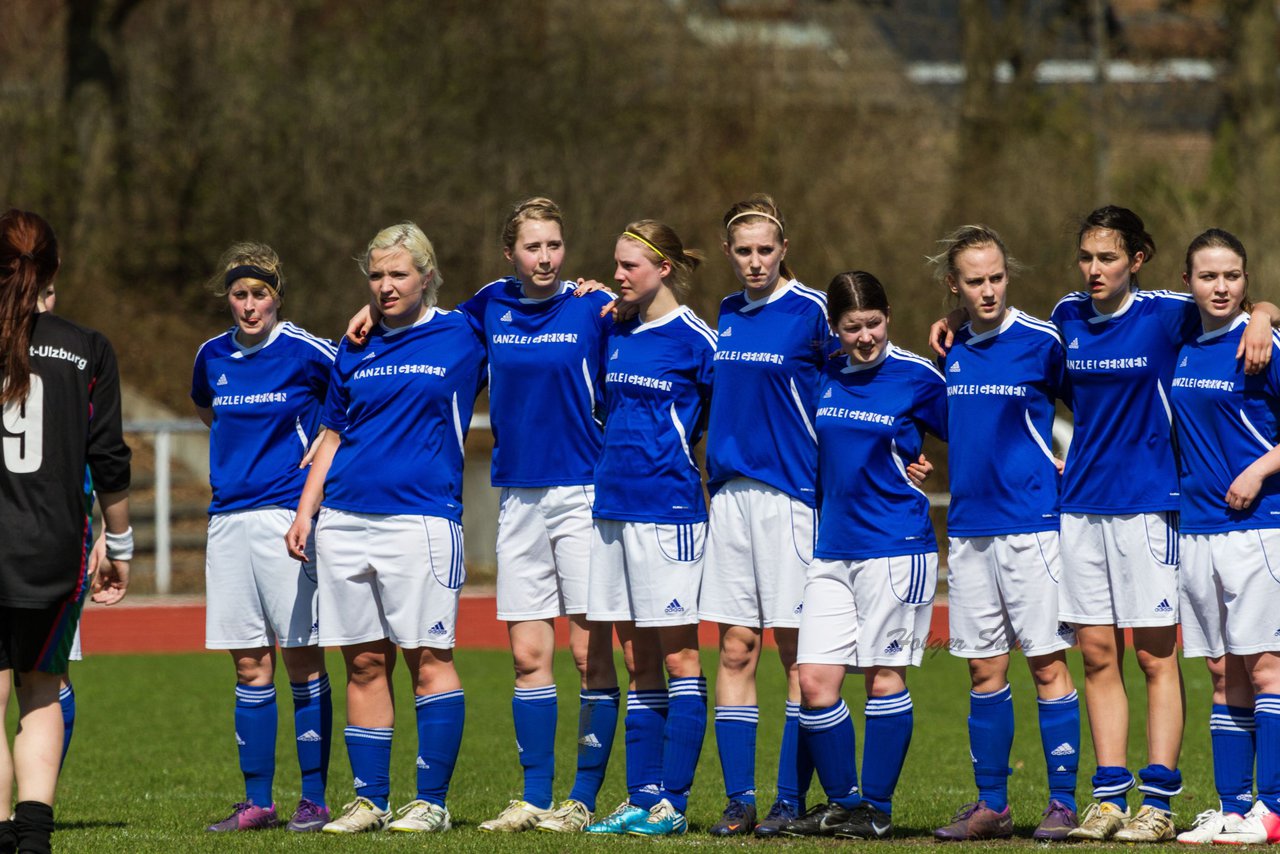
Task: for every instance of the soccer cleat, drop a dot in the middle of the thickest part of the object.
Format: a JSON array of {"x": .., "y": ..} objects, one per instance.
[
  {"x": 1258, "y": 827},
  {"x": 1056, "y": 822},
  {"x": 820, "y": 820},
  {"x": 780, "y": 815},
  {"x": 1099, "y": 822},
  {"x": 1148, "y": 825},
  {"x": 308, "y": 817},
  {"x": 620, "y": 820},
  {"x": 515, "y": 817},
  {"x": 663, "y": 820},
  {"x": 246, "y": 816},
  {"x": 357, "y": 817},
  {"x": 865, "y": 822},
  {"x": 976, "y": 821},
  {"x": 738, "y": 819},
  {"x": 1208, "y": 824},
  {"x": 570, "y": 817},
  {"x": 421, "y": 816}
]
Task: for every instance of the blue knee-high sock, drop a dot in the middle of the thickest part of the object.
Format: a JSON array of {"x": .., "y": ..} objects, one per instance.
[
  {"x": 736, "y": 743},
  {"x": 256, "y": 737},
  {"x": 888, "y": 735},
  {"x": 1159, "y": 785},
  {"x": 369, "y": 749},
  {"x": 67, "y": 700},
  {"x": 313, "y": 726},
  {"x": 827, "y": 735},
  {"x": 646, "y": 723},
  {"x": 1266, "y": 714},
  {"x": 1231, "y": 734},
  {"x": 795, "y": 766},
  {"x": 1060, "y": 740},
  {"x": 1111, "y": 783},
  {"x": 440, "y": 720},
  {"x": 534, "y": 713},
  {"x": 990, "y": 741},
  {"x": 597, "y": 723},
  {"x": 682, "y": 739}
]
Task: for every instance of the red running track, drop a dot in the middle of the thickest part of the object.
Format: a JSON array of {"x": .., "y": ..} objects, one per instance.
[{"x": 143, "y": 625}]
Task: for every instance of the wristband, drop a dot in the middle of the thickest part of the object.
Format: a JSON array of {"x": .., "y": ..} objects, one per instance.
[{"x": 119, "y": 546}]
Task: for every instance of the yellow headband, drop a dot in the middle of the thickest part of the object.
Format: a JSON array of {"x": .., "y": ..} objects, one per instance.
[
  {"x": 775, "y": 220},
  {"x": 635, "y": 236}
]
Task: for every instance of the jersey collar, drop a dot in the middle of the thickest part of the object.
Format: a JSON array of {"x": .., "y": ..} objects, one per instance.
[
  {"x": 1129, "y": 300},
  {"x": 242, "y": 350},
  {"x": 850, "y": 368},
  {"x": 388, "y": 332},
  {"x": 778, "y": 293},
  {"x": 565, "y": 287},
  {"x": 1239, "y": 320},
  {"x": 1009, "y": 317},
  {"x": 662, "y": 321}
]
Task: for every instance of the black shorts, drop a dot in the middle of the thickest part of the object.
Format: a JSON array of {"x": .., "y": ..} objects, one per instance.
[{"x": 37, "y": 638}]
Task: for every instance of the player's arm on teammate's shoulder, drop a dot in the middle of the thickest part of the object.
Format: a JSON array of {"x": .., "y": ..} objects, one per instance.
[
  {"x": 113, "y": 551},
  {"x": 942, "y": 334},
  {"x": 361, "y": 324},
  {"x": 1256, "y": 342}
]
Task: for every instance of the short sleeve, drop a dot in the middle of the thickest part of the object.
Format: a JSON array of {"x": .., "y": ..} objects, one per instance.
[
  {"x": 107, "y": 454},
  {"x": 336, "y": 399},
  {"x": 1057, "y": 379},
  {"x": 473, "y": 310},
  {"x": 931, "y": 405},
  {"x": 201, "y": 393}
]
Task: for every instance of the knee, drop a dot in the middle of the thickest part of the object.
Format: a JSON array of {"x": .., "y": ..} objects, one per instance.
[
  {"x": 304, "y": 664},
  {"x": 738, "y": 652},
  {"x": 366, "y": 669},
  {"x": 528, "y": 661},
  {"x": 254, "y": 669},
  {"x": 817, "y": 690},
  {"x": 1156, "y": 664},
  {"x": 683, "y": 663},
  {"x": 989, "y": 674}
]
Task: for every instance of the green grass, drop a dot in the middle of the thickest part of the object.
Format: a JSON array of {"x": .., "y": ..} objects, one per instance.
[{"x": 153, "y": 759}]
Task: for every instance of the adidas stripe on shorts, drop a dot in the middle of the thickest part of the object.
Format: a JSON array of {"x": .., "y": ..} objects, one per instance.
[
  {"x": 1119, "y": 570},
  {"x": 544, "y": 551},
  {"x": 256, "y": 594},
  {"x": 76, "y": 654},
  {"x": 395, "y": 577},
  {"x": 1230, "y": 593},
  {"x": 645, "y": 573},
  {"x": 1003, "y": 592},
  {"x": 759, "y": 547},
  {"x": 868, "y": 613}
]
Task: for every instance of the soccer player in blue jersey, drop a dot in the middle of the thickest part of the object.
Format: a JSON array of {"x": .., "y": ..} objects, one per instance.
[
  {"x": 259, "y": 387},
  {"x": 545, "y": 346},
  {"x": 870, "y": 589},
  {"x": 1003, "y": 374},
  {"x": 1228, "y": 427},
  {"x": 650, "y": 524},
  {"x": 389, "y": 537},
  {"x": 762, "y": 456}
]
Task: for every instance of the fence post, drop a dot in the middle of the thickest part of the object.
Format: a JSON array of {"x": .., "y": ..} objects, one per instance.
[{"x": 163, "y": 565}]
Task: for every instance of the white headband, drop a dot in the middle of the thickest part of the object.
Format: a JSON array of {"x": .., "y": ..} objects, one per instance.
[{"x": 771, "y": 217}]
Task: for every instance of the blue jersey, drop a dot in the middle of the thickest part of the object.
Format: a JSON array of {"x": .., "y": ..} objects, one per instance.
[
  {"x": 1001, "y": 386},
  {"x": 402, "y": 402},
  {"x": 871, "y": 421},
  {"x": 1225, "y": 421},
  {"x": 657, "y": 385},
  {"x": 1120, "y": 365},
  {"x": 546, "y": 365},
  {"x": 769, "y": 358},
  {"x": 266, "y": 403}
]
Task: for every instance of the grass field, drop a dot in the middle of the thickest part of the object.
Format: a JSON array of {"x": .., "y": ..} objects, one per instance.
[{"x": 153, "y": 760}]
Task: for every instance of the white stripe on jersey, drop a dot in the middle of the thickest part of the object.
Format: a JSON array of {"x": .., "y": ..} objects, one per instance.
[
  {"x": 1164, "y": 400},
  {"x": 695, "y": 323},
  {"x": 302, "y": 434},
  {"x": 1074, "y": 296},
  {"x": 1036, "y": 437},
  {"x": 907, "y": 356},
  {"x": 804, "y": 416},
  {"x": 591, "y": 391},
  {"x": 211, "y": 340},
  {"x": 1163, "y": 294},
  {"x": 300, "y": 334},
  {"x": 897, "y": 463},
  {"x": 1248, "y": 425},
  {"x": 684, "y": 439},
  {"x": 1039, "y": 325},
  {"x": 457, "y": 425},
  {"x": 810, "y": 294}
]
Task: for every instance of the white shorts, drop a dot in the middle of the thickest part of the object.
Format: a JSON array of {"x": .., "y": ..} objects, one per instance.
[
  {"x": 255, "y": 594},
  {"x": 759, "y": 547},
  {"x": 395, "y": 577},
  {"x": 1231, "y": 593},
  {"x": 544, "y": 551},
  {"x": 645, "y": 573},
  {"x": 868, "y": 613},
  {"x": 1003, "y": 592},
  {"x": 1119, "y": 570},
  {"x": 76, "y": 653}
]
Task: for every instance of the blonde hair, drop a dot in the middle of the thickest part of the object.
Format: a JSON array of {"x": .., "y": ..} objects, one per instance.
[
  {"x": 409, "y": 237},
  {"x": 251, "y": 254},
  {"x": 660, "y": 241},
  {"x": 759, "y": 207},
  {"x": 537, "y": 208}
]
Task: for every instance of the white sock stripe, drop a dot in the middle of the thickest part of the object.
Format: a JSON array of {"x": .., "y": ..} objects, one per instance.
[
  {"x": 653, "y": 700},
  {"x": 435, "y": 698},
  {"x": 1153, "y": 789},
  {"x": 747, "y": 714},
  {"x": 1232, "y": 723},
  {"x": 255, "y": 695},
  {"x": 309, "y": 690},
  {"x": 597, "y": 696},
  {"x": 812, "y": 719},
  {"x": 1116, "y": 789},
  {"x": 369, "y": 733},
  {"x": 690, "y": 688},
  {"x": 64, "y": 692},
  {"x": 1267, "y": 706},
  {"x": 885, "y": 706},
  {"x": 1006, "y": 691},
  {"x": 547, "y": 692},
  {"x": 1066, "y": 699}
]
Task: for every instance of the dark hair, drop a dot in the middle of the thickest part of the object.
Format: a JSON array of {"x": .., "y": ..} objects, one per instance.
[
  {"x": 28, "y": 263},
  {"x": 855, "y": 291},
  {"x": 1218, "y": 238},
  {"x": 1127, "y": 224},
  {"x": 767, "y": 210}
]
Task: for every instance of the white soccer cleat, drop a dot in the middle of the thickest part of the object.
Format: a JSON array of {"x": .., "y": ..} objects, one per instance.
[
  {"x": 1259, "y": 826},
  {"x": 570, "y": 817},
  {"x": 1208, "y": 825},
  {"x": 517, "y": 816},
  {"x": 421, "y": 817},
  {"x": 357, "y": 817}
]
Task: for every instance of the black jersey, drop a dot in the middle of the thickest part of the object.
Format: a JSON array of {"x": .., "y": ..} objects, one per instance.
[{"x": 67, "y": 430}]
